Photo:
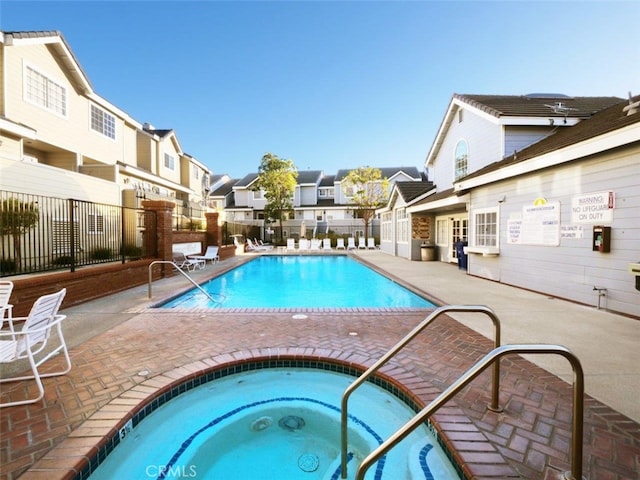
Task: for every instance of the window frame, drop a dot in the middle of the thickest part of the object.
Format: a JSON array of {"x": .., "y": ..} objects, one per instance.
[
  {"x": 171, "y": 163},
  {"x": 105, "y": 125},
  {"x": 460, "y": 167},
  {"x": 479, "y": 240},
  {"x": 42, "y": 98}
]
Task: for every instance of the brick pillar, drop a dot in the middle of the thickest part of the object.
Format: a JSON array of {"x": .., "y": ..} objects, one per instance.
[
  {"x": 163, "y": 211},
  {"x": 214, "y": 231}
]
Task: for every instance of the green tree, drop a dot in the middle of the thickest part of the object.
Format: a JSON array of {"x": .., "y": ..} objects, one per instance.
[
  {"x": 277, "y": 179},
  {"x": 16, "y": 219},
  {"x": 368, "y": 190}
]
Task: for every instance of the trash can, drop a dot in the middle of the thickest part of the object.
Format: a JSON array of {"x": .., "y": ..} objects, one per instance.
[
  {"x": 427, "y": 252},
  {"x": 462, "y": 257}
]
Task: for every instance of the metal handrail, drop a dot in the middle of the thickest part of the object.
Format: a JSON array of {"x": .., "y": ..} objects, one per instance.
[
  {"x": 398, "y": 346},
  {"x": 183, "y": 273},
  {"x": 493, "y": 357}
]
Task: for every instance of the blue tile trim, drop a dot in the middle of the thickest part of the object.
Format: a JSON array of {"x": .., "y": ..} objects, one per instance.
[{"x": 145, "y": 410}]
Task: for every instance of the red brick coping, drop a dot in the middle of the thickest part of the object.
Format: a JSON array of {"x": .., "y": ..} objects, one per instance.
[{"x": 81, "y": 452}]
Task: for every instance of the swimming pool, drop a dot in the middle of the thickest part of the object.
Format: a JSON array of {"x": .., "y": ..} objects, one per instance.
[
  {"x": 274, "y": 423},
  {"x": 301, "y": 281}
]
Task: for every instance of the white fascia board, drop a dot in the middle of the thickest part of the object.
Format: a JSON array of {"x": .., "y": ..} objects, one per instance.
[
  {"x": 592, "y": 146},
  {"x": 16, "y": 129},
  {"x": 113, "y": 109},
  {"x": 454, "y": 106},
  {"x": 439, "y": 204},
  {"x": 539, "y": 121}
]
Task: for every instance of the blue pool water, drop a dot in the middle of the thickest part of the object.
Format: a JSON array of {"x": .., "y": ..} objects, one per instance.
[
  {"x": 299, "y": 281},
  {"x": 274, "y": 423}
]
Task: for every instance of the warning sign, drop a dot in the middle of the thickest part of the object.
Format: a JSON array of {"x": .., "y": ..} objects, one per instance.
[{"x": 593, "y": 208}]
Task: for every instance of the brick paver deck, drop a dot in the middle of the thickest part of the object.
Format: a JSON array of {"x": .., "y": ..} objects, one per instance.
[{"x": 530, "y": 439}]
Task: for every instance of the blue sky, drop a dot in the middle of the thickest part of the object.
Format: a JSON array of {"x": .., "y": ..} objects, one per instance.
[{"x": 331, "y": 84}]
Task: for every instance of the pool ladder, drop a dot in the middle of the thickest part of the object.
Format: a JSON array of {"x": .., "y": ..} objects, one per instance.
[
  {"x": 193, "y": 282},
  {"x": 492, "y": 358}
]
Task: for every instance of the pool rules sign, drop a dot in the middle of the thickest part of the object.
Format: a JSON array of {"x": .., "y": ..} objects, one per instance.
[{"x": 593, "y": 208}]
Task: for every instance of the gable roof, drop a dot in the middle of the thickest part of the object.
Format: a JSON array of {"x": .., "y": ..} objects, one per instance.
[
  {"x": 309, "y": 177},
  {"x": 247, "y": 180},
  {"x": 537, "y": 105},
  {"x": 387, "y": 172},
  {"x": 409, "y": 191},
  {"x": 607, "y": 121},
  {"x": 224, "y": 189},
  {"x": 532, "y": 109},
  {"x": 56, "y": 42}
]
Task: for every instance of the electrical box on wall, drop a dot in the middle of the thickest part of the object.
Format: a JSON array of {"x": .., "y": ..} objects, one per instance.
[{"x": 601, "y": 239}]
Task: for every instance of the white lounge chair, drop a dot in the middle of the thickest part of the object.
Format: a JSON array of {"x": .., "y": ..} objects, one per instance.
[
  {"x": 291, "y": 244},
  {"x": 371, "y": 243},
  {"x": 326, "y": 244},
  {"x": 304, "y": 244},
  {"x": 252, "y": 247},
  {"x": 6, "y": 309},
  {"x": 361, "y": 243},
  {"x": 188, "y": 264},
  {"x": 340, "y": 244},
  {"x": 351, "y": 243},
  {"x": 30, "y": 340},
  {"x": 314, "y": 244},
  {"x": 210, "y": 254}
]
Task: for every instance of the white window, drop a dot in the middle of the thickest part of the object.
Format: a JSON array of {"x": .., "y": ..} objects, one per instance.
[
  {"x": 485, "y": 227},
  {"x": 442, "y": 231},
  {"x": 196, "y": 172},
  {"x": 461, "y": 159},
  {"x": 103, "y": 122},
  {"x": 325, "y": 192},
  {"x": 169, "y": 161},
  {"x": 44, "y": 92},
  {"x": 402, "y": 225},
  {"x": 258, "y": 194},
  {"x": 386, "y": 227}
]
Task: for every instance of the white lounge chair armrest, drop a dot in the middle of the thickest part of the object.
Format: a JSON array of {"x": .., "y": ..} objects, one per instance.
[{"x": 24, "y": 331}]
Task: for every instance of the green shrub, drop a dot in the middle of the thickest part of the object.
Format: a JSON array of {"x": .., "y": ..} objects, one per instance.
[
  {"x": 131, "y": 251},
  {"x": 101, "y": 253},
  {"x": 8, "y": 266},
  {"x": 62, "y": 260}
]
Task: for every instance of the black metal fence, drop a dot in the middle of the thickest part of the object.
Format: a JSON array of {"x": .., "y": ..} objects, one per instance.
[{"x": 39, "y": 234}]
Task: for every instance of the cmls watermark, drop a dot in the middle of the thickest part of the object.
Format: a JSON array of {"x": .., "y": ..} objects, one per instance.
[{"x": 171, "y": 471}]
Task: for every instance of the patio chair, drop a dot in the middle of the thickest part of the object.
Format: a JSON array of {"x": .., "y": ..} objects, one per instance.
[
  {"x": 291, "y": 244},
  {"x": 304, "y": 244},
  {"x": 188, "y": 264},
  {"x": 371, "y": 243},
  {"x": 6, "y": 309},
  {"x": 361, "y": 243},
  {"x": 351, "y": 243},
  {"x": 210, "y": 254},
  {"x": 314, "y": 244},
  {"x": 326, "y": 244},
  {"x": 30, "y": 340},
  {"x": 257, "y": 248},
  {"x": 340, "y": 244}
]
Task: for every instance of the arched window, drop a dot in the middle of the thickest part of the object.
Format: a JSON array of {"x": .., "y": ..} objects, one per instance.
[{"x": 461, "y": 159}]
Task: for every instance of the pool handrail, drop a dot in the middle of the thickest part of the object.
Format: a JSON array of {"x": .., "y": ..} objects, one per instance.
[
  {"x": 493, "y": 357},
  {"x": 193, "y": 282},
  {"x": 494, "y": 405}
]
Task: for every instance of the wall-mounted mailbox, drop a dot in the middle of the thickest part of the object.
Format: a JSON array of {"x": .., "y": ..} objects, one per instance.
[{"x": 601, "y": 239}]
